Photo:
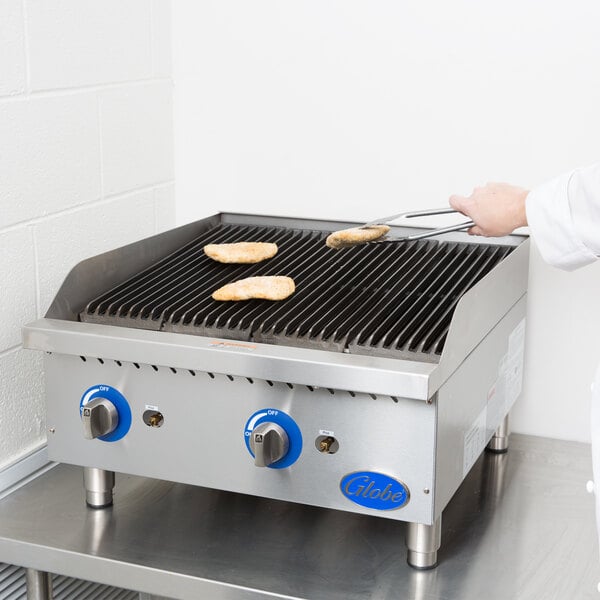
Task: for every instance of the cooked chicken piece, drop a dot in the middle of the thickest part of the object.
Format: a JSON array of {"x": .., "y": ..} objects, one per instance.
[
  {"x": 241, "y": 252},
  {"x": 263, "y": 288},
  {"x": 356, "y": 235}
]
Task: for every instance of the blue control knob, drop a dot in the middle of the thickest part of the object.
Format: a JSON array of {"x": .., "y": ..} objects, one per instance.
[
  {"x": 105, "y": 413},
  {"x": 273, "y": 438},
  {"x": 269, "y": 443},
  {"x": 100, "y": 417}
]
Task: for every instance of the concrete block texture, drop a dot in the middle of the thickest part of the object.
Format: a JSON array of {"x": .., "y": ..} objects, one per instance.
[
  {"x": 137, "y": 136},
  {"x": 86, "y": 164},
  {"x": 164, "y": 198},
  {"x": 12, "y": 48},
  {"x": 85, "y": 42},
  {"x": 162, "y": 56},
  {"x": 22, "y": 426},
  {"x": 17, "y": 274},
  {"x": 69, "y": 238},
  {"x": 50, "y": 155}
]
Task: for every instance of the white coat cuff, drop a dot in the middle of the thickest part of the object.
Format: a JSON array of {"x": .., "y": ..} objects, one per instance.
[{"x": 551, "y": 223}]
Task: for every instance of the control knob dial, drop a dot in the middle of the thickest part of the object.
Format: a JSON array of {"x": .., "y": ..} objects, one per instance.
[
  {"x": 269, "y": 443},
  {"x": 99, "y": 417}
]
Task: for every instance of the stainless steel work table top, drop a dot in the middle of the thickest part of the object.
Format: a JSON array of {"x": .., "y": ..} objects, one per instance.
[{"x": 521, "y": 526}]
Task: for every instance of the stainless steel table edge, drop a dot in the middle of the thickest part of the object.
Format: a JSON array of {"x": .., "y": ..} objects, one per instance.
[{"x": 126, "y": 575}]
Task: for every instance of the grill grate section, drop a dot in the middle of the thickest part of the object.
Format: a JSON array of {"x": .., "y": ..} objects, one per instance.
[{"x": 392, "y": 300}]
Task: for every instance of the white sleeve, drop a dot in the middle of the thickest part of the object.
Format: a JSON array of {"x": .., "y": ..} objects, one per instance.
[{"x": 564, "y": 218}]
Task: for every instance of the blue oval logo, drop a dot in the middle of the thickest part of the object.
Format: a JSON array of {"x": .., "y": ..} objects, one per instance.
[{"x": 374, "y": 490}]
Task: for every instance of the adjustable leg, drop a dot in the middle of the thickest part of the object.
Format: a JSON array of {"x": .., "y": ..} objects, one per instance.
[
  {"x": 423, "y": 543},
  {"x": 39, "y": 585},
  {"x": 499, "y": 442},
  {"x": 99, "y": 486}
]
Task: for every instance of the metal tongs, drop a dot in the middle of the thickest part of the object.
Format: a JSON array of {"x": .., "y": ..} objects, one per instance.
[{"x": 418, "y": 236}]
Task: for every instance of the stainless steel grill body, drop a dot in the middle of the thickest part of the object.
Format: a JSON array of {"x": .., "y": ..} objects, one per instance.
[{"x": 409, "y": 393}]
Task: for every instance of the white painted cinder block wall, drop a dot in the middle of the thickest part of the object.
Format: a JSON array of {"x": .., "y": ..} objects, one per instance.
[
  {"x": 86, "y": 164},
  {"x": 350, "y": 109}
]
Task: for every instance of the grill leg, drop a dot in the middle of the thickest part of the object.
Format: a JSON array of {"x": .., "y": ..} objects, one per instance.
[
  {"x": 39, "y": 585},
  {"x": 423, "y": 543},
  {"x": 99, "y": 486},
  {"x": 499, "y": 442}
]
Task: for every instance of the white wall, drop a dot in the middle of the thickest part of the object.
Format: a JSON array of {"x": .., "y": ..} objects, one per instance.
[
  {"x": 86, "y": 164},
  {"x": 351, "y": 109}
]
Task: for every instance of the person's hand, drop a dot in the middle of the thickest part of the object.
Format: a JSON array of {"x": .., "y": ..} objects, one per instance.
[{"x": 496, "y": 208}]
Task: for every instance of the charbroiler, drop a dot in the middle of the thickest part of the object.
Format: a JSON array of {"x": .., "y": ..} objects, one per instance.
[{"x": 372, "y": 389}]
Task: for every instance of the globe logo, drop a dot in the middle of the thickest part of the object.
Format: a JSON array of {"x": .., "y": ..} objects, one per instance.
[{"x": 374, "y": 490}]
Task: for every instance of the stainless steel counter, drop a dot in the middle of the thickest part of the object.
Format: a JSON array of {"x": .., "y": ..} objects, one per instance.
[{"x": 520, "y": 527}]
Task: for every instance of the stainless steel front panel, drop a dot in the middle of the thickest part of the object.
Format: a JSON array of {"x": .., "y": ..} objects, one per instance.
[
  {"x": 279, "y": 363},
  {"x": 201, "y": 440}
]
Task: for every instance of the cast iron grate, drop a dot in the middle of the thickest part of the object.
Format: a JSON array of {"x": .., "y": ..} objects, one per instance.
[{"x": 393, "y": 300}]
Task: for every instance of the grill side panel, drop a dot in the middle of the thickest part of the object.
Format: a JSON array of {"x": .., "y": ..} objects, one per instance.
[{"x": 475, "y": 396}]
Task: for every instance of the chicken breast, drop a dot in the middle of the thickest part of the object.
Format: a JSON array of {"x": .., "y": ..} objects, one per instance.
[
  {"x": 263, "y": 288},
  {"x": 356, "y": 235},
  {"x": 241, "y": 252}
]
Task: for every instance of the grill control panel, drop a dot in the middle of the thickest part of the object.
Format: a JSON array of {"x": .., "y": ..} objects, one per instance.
[
  {"x": 273, "y": 438},
  {"x": 197, "y": 428}
]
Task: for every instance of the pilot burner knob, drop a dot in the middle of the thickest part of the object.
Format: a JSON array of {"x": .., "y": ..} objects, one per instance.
[
  {"x": 269, "y": 443},
  {"x": 100, "y": 417}
]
